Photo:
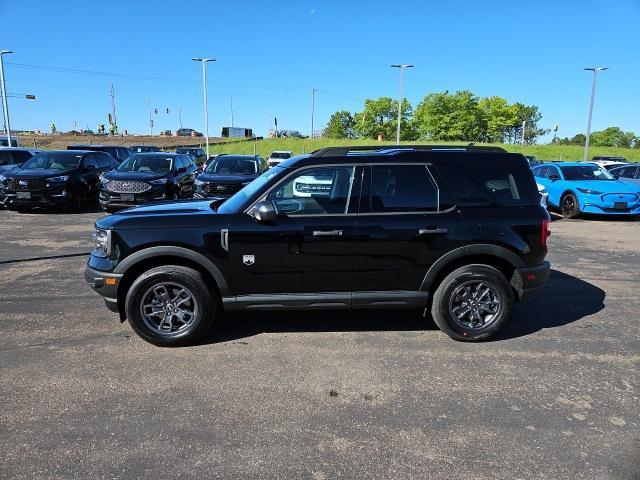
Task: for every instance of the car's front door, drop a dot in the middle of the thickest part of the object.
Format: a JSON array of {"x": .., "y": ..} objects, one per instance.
[
  {"x": 91, "y": 173},
  {"x": 404, "y": 225},
  {"x": 306, "y": 254}
]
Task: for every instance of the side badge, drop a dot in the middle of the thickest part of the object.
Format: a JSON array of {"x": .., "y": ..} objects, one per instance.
[{"x": 248, "y": 259}]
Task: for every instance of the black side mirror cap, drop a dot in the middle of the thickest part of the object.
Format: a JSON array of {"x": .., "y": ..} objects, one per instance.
[{"x": 265, "y": 212}]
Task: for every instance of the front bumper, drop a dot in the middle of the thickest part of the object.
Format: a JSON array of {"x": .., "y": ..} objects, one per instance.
[
  {"x": 609, "y": 209},
  {"x": 106, "y": 284},
  {"x": 527, "y": 280},
  {"x": 109, "y": 199},
  {"x": 51, "y": 197}
]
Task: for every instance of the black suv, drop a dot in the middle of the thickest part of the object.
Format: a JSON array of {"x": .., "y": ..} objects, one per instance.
[
  {"x": 119, "y": 154},
  {"x": 227, "y": 174},
  {"x": 457, "y": 231},
  {"x": 148, "y": 177},
  {"x": 57, "y": 178},
  {"x": 198, "y": 154}
]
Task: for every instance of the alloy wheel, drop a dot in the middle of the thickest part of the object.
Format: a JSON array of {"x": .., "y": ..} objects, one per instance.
[
  {"x": 475, "y": 305},
  {"x": 168, "y": 309}
]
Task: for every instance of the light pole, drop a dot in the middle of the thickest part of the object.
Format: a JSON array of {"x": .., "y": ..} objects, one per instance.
[
  {"x": 204, "y": 89},
  {"x": 402, "y": 67},
  {"x": 595, "y": 71},
  {"x": 5, "y": 106}
]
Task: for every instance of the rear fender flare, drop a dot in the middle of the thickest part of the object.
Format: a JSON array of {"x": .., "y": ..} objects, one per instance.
[{"x": 469, "y": 250}]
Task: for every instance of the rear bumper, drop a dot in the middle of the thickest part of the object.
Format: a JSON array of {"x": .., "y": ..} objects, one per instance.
[
  {"x": 98, "y": 281},
  {"x": 527, "y": 280}
]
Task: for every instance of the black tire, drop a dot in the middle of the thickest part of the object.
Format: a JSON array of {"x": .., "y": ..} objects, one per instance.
[
  {"x": 203, "y": 303},
  {"x": 569, "y": 206},
  {"x": 448, "y": 293}
]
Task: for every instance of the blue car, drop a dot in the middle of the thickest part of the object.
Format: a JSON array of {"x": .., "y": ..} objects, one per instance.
[{"x": 576, "y": 188}]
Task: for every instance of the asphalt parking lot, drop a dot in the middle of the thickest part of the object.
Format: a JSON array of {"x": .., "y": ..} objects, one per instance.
[{"x": 320, "y": 395}]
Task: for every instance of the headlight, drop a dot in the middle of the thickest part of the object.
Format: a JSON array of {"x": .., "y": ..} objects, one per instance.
[
  {"x": 61, "y": 178},
  {"x": 589, "y": 192},
  {"x": 199, "y": 183},
  {"x": 102, "y": 242},
  {"x": 159, "y": 181}
]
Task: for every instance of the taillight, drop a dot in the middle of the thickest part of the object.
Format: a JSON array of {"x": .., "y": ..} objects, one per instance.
[{"x": 544, "y": 234}]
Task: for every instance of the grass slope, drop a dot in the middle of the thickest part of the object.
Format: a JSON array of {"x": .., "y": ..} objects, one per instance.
[{"x": 298, "y": 146}]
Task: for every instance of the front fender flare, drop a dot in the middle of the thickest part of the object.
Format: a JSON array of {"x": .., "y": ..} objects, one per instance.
[{"x": 173, "y": 251}]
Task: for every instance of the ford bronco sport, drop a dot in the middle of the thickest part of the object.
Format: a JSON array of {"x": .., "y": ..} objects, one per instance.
[{"x": 457, "y": 231}]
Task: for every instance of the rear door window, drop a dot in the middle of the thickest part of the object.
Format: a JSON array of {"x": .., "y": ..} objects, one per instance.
[
  {"x": 402, "y": 188},
  {"x": 486, "y": 186}
]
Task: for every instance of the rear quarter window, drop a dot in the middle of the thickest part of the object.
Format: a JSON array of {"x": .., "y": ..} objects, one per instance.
[{"x": 489, "y": 185}]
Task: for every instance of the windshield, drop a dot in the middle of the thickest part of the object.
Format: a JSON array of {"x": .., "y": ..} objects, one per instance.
[
  {"x": 240, "y": 197},
  {"x": 53, "y": 161},
  {"x": 585, "y": 172},
  {"x": 230, "y": 165},
  {"x": 281, "y": 155},
  {"x": 147, "y": 163}
]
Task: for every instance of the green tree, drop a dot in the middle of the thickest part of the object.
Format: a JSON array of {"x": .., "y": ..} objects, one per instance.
[
  {"x": 341, "y": 125},
  {"x": 613, "y": 137},
  {"x": 530, "y": 115},
  {"x": 380, "y": 117},
  {"x": 499, "y": 118},
  {"x": 445, "y": 116}
]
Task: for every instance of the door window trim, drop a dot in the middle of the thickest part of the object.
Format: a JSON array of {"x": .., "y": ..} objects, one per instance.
[
  {"x": 263, "y": 197},
  {"x": 353, "y": 167}
]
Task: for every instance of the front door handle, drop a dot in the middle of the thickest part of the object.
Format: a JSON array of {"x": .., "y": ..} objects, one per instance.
[
  {"x": 327, "y": 233},
  {"x": 424, "y": 231}
]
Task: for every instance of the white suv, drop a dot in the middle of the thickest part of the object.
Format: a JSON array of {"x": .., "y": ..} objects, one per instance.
[{"x": 277, "y": 157}]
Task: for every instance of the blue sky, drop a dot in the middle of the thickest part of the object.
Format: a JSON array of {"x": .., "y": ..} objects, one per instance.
[{"x": 270, "y": 54}]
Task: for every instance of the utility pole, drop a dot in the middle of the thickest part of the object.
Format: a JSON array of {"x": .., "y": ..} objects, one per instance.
[
  {"x": 402, "y": 67},
  {"x": 113, "y": 106},
  {"x": 5, "y": 106},
  {"x": 231, "y": 103},
  {"x": 524, "y": 127},
  {"x": 180, "y": 117},
  {"x": 313, "y": 108},
  {"x": 204, "y": 91},
  {"x": 595, "y": 71},
  {"x": 150, "y": 119}
]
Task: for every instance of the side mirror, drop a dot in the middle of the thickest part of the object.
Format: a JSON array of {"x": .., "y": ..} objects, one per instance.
[
  {"x": 181, "y": 170},
  {"x": 554, "y": 178},
  {"x": 265, "y": 212}
]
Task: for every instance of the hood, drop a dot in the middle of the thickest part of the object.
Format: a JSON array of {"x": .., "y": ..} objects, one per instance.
[
  {"x": 605, "y": 186},
  {"x": 37, "y": 172},
  {"x": 226, "y": 178},
  {"x": 6, "y": 168},
  {"x": 168, "y": 214},
  {"x": 140, "y": 176}
]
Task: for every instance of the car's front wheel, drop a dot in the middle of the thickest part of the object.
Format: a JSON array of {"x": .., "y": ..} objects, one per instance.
[
  {"x": 569, "y": 206},
  {"x": 472, "y": 303},
  {"x": 170, "y": 306}
]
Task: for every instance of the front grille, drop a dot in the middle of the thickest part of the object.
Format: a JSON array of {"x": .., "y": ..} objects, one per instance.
[
  {"x": 122, "y": 186},
  {"x": 221, "y": 189},
  {"x": 26, "y": 184}
]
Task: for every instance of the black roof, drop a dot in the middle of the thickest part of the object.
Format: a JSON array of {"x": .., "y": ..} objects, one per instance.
[
  {"x": 438, "y": 154},
  {"x": 157, "y": 154}
]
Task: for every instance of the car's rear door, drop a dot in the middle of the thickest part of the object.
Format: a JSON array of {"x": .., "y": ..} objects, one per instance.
[
  {"x": 305, "y": 256},
  {"x": 404, "y": 225}
]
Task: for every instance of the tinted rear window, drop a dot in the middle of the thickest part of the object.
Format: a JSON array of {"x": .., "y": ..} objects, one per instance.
[{"x": 488, "y": 185}]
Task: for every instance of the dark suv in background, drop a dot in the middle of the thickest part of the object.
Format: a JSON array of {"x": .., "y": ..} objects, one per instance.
[
  {"x": 198, "y": 154},
  {"x": 148, "y": 177},
  {"x": 57, "y": 178},
  {"x": 227, "y": 174},
  {"x": 459, "y": 232},
  {"x": 118, "y": 153}
]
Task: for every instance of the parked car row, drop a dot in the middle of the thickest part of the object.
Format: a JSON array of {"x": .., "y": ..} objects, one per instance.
[{"x": 76, "y": 178}]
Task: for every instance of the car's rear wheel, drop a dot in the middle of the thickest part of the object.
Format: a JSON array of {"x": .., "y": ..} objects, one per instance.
[
  {"x": 170, "y": 306},
  {"x": 472, "y": 303},
  {"x": 569, "y": 206}
]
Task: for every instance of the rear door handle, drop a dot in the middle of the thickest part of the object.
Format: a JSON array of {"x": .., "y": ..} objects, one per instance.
[
  {"x": 327, "y": 233},
  {"x": 424, "y": 231}
]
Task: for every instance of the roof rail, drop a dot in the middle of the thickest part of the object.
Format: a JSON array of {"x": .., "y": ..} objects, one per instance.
[{"x": 391, "y": 149}]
